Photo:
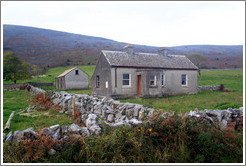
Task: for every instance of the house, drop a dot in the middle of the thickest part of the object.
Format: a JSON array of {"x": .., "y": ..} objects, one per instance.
[
  {"x": 73, "y": 78},
  {"x": 120, "y": 74}
]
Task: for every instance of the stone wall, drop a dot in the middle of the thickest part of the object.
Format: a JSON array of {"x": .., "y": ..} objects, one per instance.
[
  {"x": 210, "y": 87},
  {"x": 7, "y": 87},
  {"x": 96, "y": 113}
]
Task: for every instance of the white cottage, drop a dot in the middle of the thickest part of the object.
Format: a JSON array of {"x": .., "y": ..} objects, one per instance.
[{"x": 73, "y": 78}]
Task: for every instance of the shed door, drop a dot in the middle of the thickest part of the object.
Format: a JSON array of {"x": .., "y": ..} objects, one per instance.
[{"x": 139, "y": 84}]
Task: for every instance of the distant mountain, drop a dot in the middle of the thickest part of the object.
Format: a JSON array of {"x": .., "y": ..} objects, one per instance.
[{"x": 49, "y": 48}]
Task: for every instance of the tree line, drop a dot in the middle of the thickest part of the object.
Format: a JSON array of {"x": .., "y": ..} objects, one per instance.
[{"x": 15, "y": 69}]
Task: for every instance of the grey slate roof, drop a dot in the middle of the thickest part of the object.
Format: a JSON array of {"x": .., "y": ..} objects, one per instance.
[{"x": 119, "y": 58}]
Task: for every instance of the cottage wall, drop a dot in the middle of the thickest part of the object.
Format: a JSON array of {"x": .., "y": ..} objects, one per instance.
[
  {"x": 103, "y": 70},
  {"x": 73, "y": 81},
  {"x": 172, "y": 83},
  {"x": 118, "y": 90}
]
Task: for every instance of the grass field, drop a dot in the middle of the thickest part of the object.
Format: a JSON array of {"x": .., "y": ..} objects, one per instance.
[{"x": 19, "y": 100}]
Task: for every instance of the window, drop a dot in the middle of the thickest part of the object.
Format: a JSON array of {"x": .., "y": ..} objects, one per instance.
[
  {"x": 76, "y": 72},
  {"x": 183, "y": 79},
  {"x": 126, "y": 80},
  {"x": 152, "y": 80},
  {"x": 162, "y": 79},
  {"x": 97, "y": 82},
  {"x": 106, "y": 86}
]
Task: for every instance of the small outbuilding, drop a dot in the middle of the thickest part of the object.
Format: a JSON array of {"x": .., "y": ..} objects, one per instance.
[{"x": 73, "y": 78}]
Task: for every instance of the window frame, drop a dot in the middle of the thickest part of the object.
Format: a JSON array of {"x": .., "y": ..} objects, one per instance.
[
  {"x": 163, "y": 80},
  {"x": 152, "y": 80},
  {"x": 126, "y": 79},
  {"x": 186, "y": 80},
  {"x": 97, "y": 81}
]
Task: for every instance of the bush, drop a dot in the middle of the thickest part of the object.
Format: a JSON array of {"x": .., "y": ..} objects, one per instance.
[
  {"x": 162, "y": 140},
  {"x": 226, "y": 105}
]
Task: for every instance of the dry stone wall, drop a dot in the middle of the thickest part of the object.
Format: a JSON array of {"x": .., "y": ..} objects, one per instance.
[{"x": 96, "y": 113}]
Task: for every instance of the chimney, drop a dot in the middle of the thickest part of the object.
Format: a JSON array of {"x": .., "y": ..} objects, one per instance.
[
  {"x": 129, "y": 49},
  {"x": 163, "y": 51}
]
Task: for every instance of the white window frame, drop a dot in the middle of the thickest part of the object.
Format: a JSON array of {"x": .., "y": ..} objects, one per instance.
[
  {"x": 163, "y": 80},
  {"x": 126, "y": 79},
  {"x": 152, "y": 80},
  {"x": 186, "y": 80}
]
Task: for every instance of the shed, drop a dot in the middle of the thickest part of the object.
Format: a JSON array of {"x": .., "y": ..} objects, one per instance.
[{"x": 73, "y": 78}]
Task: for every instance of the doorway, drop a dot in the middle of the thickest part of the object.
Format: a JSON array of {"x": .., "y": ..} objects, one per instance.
[{"x": 139, "y": 85}]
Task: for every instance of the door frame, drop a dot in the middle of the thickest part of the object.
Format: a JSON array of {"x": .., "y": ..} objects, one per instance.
[{"x": 139, "y": 85}]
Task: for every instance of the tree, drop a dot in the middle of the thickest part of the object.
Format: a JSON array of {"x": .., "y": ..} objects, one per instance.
[
  {"x": 197, "y": 59},
  {"x": 13, "y": 68}
]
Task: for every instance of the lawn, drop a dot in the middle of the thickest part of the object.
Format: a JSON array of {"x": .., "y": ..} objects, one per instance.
[{"x": 19, "y": 100}]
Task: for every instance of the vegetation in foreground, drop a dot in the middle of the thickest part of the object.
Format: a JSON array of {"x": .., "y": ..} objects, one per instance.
[
  {"x": 20, "y": 100},
  {"x": 163, "y": 140}
]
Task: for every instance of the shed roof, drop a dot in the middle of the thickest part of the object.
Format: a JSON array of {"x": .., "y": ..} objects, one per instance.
[
  {"x": 66, "y": 72},
  {"x": 122, "y": 59}
]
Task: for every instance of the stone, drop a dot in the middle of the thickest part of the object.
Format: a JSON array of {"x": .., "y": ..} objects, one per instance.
[
  {"x": 136, "y": 111},
  {"x": 4, "y": 137},
  {"x": 110, "y": 110},
  {"x": 123, "y": 118},
  {"x": 98, "y": 111},
  {"x": 47, "y": 131},
  {"x": 9, "y": 137},
  {"x": 95, "y": 129},
  {"x": 18, "y": 135},
  {"x": 104, "y": 114},
  {"x": 135, "y": 122},
  {"x": 57, "y": 134},
  {"x": 54, "y": 127},
  {"x": 118, "y": 116},
  {"x": 64, "y": 130},
  {"x": 110, "y": 118},
  {"x": 91, "y": 120},
  {"x": 194, "y": 113},
  {"x": 29, "y": 133},
  {"x": 123, "y": 110},
  {"x": 85, "y": 132},
  {"x": 73, "y": 128},
  {"x": 52, "y": 151},
  {"x": 129, "y": 112}
]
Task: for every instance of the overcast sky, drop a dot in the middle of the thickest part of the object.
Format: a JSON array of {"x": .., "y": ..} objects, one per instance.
[{"x": 147, "y": 23}]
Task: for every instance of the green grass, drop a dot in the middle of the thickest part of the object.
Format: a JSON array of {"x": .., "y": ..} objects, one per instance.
[{"x": 19, "y": 100}]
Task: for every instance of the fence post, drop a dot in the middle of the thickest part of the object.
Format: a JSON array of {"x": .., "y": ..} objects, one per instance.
[{"x": 73, "y": 105}]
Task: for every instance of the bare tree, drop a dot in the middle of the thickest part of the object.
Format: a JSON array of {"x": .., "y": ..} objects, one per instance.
[{"x": 197, "y": 59}]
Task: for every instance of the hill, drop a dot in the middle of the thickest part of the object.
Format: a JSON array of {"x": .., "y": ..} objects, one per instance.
[{"x": 49, "y": 48}]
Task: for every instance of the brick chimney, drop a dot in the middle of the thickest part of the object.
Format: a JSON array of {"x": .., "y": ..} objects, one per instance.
[
  {"x": 163, "y": 51},
  {"x": 129, "y": 49}
]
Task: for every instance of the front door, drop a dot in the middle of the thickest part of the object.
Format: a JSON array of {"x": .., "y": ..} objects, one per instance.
[{"x": 139, "y": 85}]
